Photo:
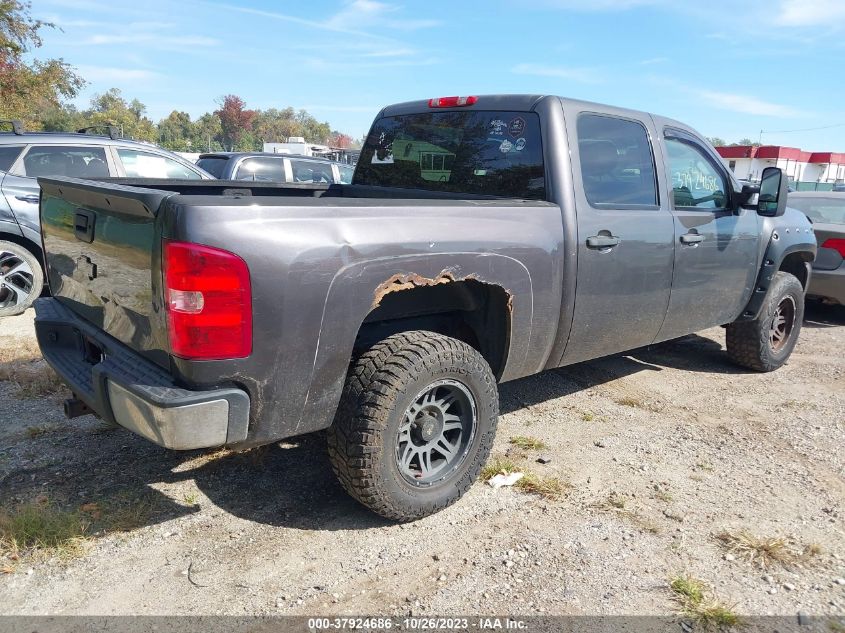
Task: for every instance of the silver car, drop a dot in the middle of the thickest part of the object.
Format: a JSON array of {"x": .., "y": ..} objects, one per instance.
[{"x": 24, "y": 156}]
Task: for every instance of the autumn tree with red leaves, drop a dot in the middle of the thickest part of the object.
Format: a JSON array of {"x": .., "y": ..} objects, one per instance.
[{"x": 235, "y": 120}]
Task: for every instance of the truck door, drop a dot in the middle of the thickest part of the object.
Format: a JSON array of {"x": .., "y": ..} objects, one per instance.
[
  {"x": 625, "y": 236},
  {"x": 715, "y": 246}
]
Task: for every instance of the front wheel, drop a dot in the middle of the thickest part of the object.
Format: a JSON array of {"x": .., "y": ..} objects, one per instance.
[
  {"x": 21, "y": 279},
  {"x": 765, "y": 343},
  {"x": 415, "y": 424}
]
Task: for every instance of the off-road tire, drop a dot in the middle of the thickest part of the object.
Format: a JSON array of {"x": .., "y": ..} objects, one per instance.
[
  {"x": 748, "y": 341},
  {"x": 37, "y": 280},
  {"x": 381, "y": 384}
]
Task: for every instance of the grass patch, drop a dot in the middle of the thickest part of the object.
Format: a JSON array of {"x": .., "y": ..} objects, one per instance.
[
  {"x": 124, "y": 514},
  {"x": 22, "y": 365},
  {"x": 762, "y": 551},
  {"x": 548, "y": 487},
  {"x": 39, "y": 528},
  {"x": 527, "y": 442},
  {"x": 587, "y": 416},
  {"x": 38, "y": 430},
  {"x": 498, "y": 465},
  {"x": 692, "y": 595},
  {"x": 191, "y": 498}
]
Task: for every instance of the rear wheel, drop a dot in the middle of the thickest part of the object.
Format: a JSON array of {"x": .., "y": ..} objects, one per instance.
[
  {"x": 21, "y": 278},
  {"x": 765, "y": 343},
  {"x": 415, "y": 424}
]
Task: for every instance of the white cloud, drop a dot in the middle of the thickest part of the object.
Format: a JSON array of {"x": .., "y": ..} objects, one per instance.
[
  {"x": 151, "y": 38},
  {"x": 654, "y": 60},
  {"x": 112, "y": 74},
  {"x": 366, "y": 14},
  {"x": 810, "y": 13},
  {"x": 583, "y": 75},
  {"x": 747, "y": 105}
]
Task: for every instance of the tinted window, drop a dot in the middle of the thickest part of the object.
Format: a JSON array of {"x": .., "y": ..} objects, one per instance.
[
  {"x": 696, "y": 182},
  {"x": 8, "y": 155},
  {"x": 617, "y": 167},
  {"x": 261, "y": 168},
  {"x": 311, "y": 171},
  {"x": 214, "y": 165},
  {"x": 65, "y": 160},
  {"x": 470, "y": 152},
  {"x": 346, "y": 174},
  {"x": 831, "y": 210},
  {"x": 148, "y": 165}
]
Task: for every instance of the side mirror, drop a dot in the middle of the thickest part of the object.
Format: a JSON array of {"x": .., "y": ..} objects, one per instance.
[{"x": 773, "y": 191}]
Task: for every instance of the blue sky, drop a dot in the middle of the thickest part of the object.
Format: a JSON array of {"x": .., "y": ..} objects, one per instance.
[{"x": 729, "y": 69}]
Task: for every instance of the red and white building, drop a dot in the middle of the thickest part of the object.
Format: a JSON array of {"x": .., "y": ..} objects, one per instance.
[{"x": 747, "y": 163}]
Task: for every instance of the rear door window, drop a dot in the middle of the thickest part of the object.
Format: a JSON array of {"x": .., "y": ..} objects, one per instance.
[
  {"x": 493, "y": 153},
  {"x": 8, "y": 155},
  {"x": 617, "y": 165},
  {"x": 266, "y": 168},
  {"x": 138, "y": 164},
  {"x": 65, "y": 160}
]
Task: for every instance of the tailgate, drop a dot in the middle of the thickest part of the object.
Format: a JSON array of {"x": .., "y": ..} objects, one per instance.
[{"x": 102, "y": 257}]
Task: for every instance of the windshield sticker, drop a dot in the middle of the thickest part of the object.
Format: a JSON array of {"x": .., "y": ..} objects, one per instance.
[
  {"x": 519, "y": 145},
  {"x": 497, "y": 127},
  {"x": 516, "y": 127},
  {"x": 506, "y": 146}
]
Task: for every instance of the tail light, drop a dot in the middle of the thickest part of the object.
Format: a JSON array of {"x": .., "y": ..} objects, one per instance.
[
  {"x": 451, "y": 102},
  {"x": 837, "y": 244},
  {"x": 209, "y": 302}
]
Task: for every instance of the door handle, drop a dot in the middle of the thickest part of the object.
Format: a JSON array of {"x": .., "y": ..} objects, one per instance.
[
  {"x": 31, "y": 199},
  {"x": 691, "y": 238},
  {"x": 602, "y": 241}
]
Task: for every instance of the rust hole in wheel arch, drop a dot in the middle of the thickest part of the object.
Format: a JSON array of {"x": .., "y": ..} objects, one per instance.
[{"x": 409, "y": 281}]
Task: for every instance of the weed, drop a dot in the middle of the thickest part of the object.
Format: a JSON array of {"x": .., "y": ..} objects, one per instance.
[
  {"x": 527, "y": 442},
  {"x": 191, "y": 498},
  {"x": 692, "y": 595},
  {"x": 763, "y": 551},
  {"x": 39, "y": 528},
  {"x": 126, "y": 513},
  {"x": 664, "y": 495},
  {"x": 615, "y": 500},
  {"x": 33, "y": 432},
  {"x": 587, "y": 416},
  {"x": 497, "y": 465},
  {"x": 549, "y": 487}
]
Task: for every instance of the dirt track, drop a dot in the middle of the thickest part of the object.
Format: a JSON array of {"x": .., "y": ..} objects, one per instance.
[{"x": 661, "y": 449}]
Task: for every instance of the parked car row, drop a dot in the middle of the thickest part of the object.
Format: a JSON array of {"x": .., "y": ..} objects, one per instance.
[{"x": 26, "y": 156}]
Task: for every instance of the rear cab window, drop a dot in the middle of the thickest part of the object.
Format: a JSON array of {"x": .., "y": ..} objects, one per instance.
[
  {"x": 469, "y": 152},
  {"x": 8, "y": 155},
  {"x": 214, "y": 165},
  {"x": 311, "y": 171},
  {"x": 617, "y": 164}
]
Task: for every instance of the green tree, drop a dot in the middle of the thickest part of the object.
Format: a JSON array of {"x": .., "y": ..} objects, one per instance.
[
  {"x": 177, "y": 132},
  {"x": 110, "y": 108},
  {"x": 208, "y": 133},
  {"x": 717, "y": 142},
  {"x": 276, "y": 126},
  {"x": 27, "y": 88}
]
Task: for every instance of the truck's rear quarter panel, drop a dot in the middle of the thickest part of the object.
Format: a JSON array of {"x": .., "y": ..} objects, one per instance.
[{"x": 316, "y": 267}]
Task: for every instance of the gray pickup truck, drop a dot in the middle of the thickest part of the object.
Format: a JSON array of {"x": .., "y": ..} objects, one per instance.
[{"x": 482, "y": 239}]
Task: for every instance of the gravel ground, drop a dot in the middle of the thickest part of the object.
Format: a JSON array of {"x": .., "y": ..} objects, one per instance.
[{"x": 661, "y": 450}]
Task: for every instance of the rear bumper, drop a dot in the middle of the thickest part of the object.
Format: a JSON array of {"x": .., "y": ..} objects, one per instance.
[
  {"x": 829, "y": 284},
  {"x": 125, "y": 388}
]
